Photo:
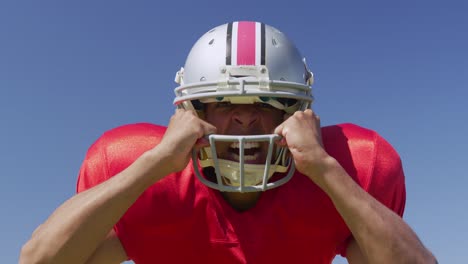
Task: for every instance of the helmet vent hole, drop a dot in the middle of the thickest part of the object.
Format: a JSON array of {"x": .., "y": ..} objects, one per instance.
[
  {"x": 273, "y": 41},
  {"x": 211, "y": 42}
]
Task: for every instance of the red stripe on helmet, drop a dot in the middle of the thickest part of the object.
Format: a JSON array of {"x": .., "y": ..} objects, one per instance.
[{"x": 246, "y": 43}]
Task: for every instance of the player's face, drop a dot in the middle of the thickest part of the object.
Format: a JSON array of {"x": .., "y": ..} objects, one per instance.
[{"x": 243, "y": 119}]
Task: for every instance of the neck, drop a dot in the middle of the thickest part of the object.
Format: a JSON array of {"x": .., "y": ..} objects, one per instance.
[{"x": 241, "y": 201}]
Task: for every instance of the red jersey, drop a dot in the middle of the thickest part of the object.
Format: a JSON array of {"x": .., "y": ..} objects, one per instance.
[{"x": 180, "y": 220}]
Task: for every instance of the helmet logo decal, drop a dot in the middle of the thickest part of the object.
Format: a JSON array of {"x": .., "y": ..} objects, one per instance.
[{"x": 245, "y": 43}]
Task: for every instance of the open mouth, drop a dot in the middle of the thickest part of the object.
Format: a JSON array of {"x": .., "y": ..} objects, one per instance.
[{"x": 252, "y": 152}]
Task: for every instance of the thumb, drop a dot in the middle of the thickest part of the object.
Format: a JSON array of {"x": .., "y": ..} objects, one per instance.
[
  {"x": 203, "y": 140},
  {"x": 201, "y": 143},
  {"x": 279, "y": 130}
]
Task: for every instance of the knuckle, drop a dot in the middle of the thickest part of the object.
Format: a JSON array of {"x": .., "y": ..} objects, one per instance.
[{"x": 298, "y": 114}]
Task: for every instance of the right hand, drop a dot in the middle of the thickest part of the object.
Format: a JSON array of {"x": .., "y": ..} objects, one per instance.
[
  {"x": 185, "y": 132},
  {"x": 302, "y": 135}
]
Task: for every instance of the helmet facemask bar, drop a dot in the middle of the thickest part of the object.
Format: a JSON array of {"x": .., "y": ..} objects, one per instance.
[{"x": 228, "y": 183}]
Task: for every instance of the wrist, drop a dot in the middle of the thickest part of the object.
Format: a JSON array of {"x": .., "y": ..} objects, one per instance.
[
  {"x": 318, "y": 172},
  {"x": 332, "y": 177},
  {"x": 158, "y": 162}
]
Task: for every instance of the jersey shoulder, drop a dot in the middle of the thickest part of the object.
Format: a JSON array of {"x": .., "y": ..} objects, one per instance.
[
  {"x": 370, "y": 160},
  {"x": 128, "y": 137},
  {"x": 356, "y": 139},
  {"x": 363, "y": 152},
  {"x": 347, "y": 131},
  {"x": 132, "y": 132},
  {"x": 115, "y": 150}
]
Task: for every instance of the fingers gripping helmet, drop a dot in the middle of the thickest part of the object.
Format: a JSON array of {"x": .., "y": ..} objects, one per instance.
[{"x": 244, "y": 63}]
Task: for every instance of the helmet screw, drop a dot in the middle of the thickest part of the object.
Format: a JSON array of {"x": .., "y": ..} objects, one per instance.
[
  {"x": 223, "y": 70},
  {"x": 263, "y": 70}
]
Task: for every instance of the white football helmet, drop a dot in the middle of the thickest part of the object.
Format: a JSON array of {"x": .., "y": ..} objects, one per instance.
[{"x": 244, "y": 63}]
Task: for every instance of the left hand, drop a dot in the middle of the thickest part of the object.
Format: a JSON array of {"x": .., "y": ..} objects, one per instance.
[{"x": 302, "y": 135}]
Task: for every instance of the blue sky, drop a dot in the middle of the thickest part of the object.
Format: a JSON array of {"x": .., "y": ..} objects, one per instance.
[{"x": 71, "y": 70}]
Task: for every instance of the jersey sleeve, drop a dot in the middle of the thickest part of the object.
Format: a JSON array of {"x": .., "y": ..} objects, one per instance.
[
  {"x": 387, "y": 182},
  {"x": 112, "y": 153},
  {"x": 385, "y": 179},
  {"x": 94, "y": 169}
]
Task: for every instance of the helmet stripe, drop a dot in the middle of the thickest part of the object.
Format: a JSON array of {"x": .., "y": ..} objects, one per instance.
[
  {"x": 246, "y": 43},
  {"x": 228, "y": 44},
  {"x": 235, "y": 27},
  {"x": 262, "y": 43},
  {"x": 258, "y": 43}
]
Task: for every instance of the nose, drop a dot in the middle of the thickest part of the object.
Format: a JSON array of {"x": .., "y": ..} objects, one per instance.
[{"x": 245, "y": 115}]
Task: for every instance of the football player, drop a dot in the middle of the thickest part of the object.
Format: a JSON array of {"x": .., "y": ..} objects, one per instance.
[{"x": 244, "y": 173}]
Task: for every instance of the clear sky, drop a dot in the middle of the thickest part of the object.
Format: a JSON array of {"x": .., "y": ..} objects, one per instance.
[{"x": 70, "y": 70}]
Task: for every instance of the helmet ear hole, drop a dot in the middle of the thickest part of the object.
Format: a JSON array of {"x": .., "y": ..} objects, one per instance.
[{"x": 197, "y": 105}]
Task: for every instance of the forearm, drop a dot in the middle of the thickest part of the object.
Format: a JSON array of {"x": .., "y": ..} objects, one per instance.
[
  {"x": 382, "y": 235},
  {"x": 74, "y": 231}
]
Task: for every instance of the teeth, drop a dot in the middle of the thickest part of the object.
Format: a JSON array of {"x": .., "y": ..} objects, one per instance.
[
  {"x": 246, "y": 157},
  {"x": 247, "y": 145}
]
